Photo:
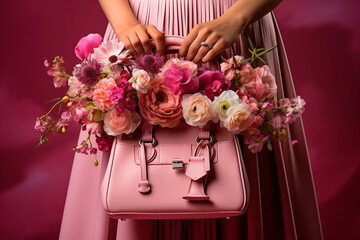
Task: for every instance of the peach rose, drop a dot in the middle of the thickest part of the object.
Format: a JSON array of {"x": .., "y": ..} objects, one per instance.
[
  {"x": 116, "y": 123},
  {"x": 140, "y": 80},
  {"x": 181, "y": 63},
  {"x": 160, "y": 105},
  {"x": 239, "y": 118},
  {"x": 102, "y": 93},
  {"x": 198, "y": 109}
]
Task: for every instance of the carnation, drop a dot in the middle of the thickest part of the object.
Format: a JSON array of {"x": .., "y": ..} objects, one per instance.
[{"x": 102, "y": 94}]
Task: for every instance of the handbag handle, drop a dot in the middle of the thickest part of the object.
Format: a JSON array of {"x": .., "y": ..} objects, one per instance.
[{"x": 172, "y": 45}]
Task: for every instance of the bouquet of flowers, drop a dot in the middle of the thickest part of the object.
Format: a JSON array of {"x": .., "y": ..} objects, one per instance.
[{"x": 110, "y": 93}]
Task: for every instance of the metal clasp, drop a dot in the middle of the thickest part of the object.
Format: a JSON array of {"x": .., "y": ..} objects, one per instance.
[{"x": 177, "y": 164}]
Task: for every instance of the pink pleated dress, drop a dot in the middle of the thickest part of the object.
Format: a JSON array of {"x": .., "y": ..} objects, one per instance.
[{"x": 282, "y": 203}]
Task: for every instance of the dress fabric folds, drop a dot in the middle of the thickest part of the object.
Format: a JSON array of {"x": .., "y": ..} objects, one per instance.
[{"x": 282, "y": 203}]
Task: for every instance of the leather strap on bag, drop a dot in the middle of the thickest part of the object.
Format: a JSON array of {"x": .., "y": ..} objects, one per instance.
[
  {"x": 199, "y": 166},
  {"x": 147, "y": 141}
]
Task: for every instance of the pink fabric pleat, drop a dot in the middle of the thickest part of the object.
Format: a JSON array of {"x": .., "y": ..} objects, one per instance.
[{"x": 282, "y": 202}]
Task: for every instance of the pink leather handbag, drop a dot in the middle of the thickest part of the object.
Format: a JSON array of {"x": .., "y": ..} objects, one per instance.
[{"x": 175, "y": 173}]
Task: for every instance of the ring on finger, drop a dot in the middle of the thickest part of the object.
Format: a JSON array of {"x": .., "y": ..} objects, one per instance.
[{"x": 206, "y": 45}]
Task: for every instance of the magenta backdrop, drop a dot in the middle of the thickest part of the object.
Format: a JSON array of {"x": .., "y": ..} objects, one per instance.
[{"x": 321, "y": 37}]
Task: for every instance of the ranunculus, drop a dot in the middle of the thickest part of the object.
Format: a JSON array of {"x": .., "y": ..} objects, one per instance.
[
  {"x": 213, "y": 83},
  {"x": 198, "y": 109},
  {"x": 160, "y": 105},
  {"x": 87, "y": 44},
  {"x": 239, "y": 118},
  {"x": 140, "y": 80},
  {"x": 116, "y": 123},
  {"x": 223, "y": 102},
  {"x": 180, "y": 80},
  {"x": 102, "y": 94},
  {"x": 181, "y": 63},
  {"x": 262, "y": 85}
]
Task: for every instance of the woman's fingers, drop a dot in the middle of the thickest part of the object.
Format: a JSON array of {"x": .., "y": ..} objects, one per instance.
[
  {"x": 203, "y": 50},
  {"x": 137, "y": 39},
  {"x": 184, "y": 48},
  {"x": 219, "y": 46},
  {"x": 128, "y": 45},
  {"x": 157, "y": 36},
  {"x": 136, "y": 43},
  {"x": 144, "y": 40}
]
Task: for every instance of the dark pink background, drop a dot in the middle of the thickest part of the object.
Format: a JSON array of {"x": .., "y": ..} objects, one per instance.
[{"x": 322, "y": 40}]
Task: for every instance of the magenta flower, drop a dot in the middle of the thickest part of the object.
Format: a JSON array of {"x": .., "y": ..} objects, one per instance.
[
  {"x": 150, "y": 62},
  {"x": 104, "y": 142},
  {"x": 124, "y": 84},
  {"x": 116, "y": 94},
  {"x": 87, "y": 44},
  {"x": 125, "y": 75},
  {"x": 180, "y": 81},
  {"x": 213, "y": 83},
  {"x": 93, "y": 151},
  {"x": 89, "y": 72}
]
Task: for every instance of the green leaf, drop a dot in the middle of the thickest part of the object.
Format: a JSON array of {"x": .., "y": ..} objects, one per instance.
[
  {"x": 269, "y": 146},
  {"x": 268, "y": 50},
  {"x": 98, "y": 116},
  {"x": 262, "y": 60}
]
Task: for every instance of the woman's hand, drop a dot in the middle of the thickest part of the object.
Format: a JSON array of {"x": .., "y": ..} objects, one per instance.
[
  {"x": 137, "y": 39},
  {"x": 220, "y": 33}
]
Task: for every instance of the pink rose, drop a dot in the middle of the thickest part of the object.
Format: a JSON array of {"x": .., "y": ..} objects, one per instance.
[
  {"x": 116, "y": 123},
  {"x": 213, "y": 83},
  {"x": 180, "y": 80},
  {"x": 140, "y": 80},
  {"x": 198, "y": 109},
  {"x": 239, "y": 118},
  {"x": 262, "y": 85},
  {"x": 160, "y": 105},
  {"x": 181, "y": 63},
  {"x": 87, "y": 44},
  {"x": 102, "y": 94}
]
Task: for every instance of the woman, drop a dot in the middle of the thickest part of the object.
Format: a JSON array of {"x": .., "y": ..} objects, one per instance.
[{"x": 282, "y": 198}]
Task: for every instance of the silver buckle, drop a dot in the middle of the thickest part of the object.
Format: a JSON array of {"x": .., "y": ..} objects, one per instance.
[
  {"x": 154, "y": 142},
  {"x": 177, "y": 164}
]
